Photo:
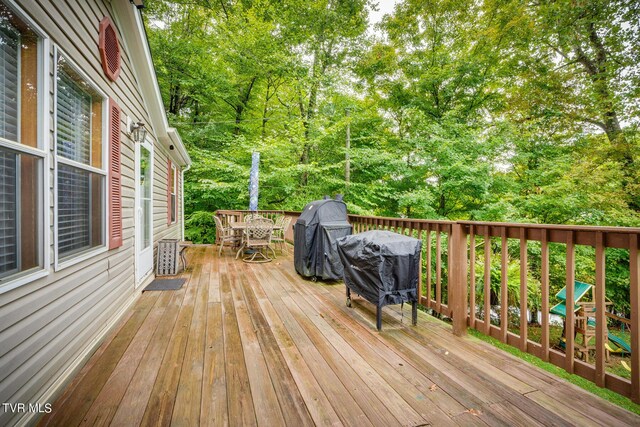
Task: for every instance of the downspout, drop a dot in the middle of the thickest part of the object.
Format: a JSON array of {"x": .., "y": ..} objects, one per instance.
[{"x": 182, "y": 205}]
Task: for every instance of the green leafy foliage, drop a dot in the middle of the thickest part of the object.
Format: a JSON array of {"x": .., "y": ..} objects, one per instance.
[
  {"x": 200, "y": 227},
  {"x": 492, "y": 110}
]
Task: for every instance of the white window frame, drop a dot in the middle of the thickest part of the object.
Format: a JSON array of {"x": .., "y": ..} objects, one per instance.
[
  {"x": 174, "y": 171},
  {"x": 14, "y": 281},
  {"x": 61, "y": 263}
]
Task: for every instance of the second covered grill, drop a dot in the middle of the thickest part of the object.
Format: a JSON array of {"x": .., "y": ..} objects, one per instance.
[{"x": 383, "y": 267}]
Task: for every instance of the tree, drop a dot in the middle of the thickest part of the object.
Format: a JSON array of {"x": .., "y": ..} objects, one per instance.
[{"x": 576, "y": 72}]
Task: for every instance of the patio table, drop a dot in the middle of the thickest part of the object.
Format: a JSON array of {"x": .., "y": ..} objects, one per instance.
[{"x": 239, "y": 227}]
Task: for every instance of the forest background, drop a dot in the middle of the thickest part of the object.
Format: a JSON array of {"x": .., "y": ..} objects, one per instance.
[{"x": 488, "y": 110}]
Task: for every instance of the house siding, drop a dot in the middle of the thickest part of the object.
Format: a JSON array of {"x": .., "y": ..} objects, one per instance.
[{"x": 49, "y": 326}]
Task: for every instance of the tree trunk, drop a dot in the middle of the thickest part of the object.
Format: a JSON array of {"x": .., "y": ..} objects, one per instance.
[
  {"x": 596, "y": 67},
  {"x": 311, "y": 105},
  {"x": 442, "y": 204},
  {"x": 242, "y": 104}
]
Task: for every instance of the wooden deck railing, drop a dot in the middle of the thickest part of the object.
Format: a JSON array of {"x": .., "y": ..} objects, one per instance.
[
  {"x": 463, "y": 259},
  {"x": 594, "y": 242}
]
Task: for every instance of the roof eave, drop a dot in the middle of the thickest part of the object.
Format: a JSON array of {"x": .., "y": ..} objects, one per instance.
[{"x": 136, "y": 40}]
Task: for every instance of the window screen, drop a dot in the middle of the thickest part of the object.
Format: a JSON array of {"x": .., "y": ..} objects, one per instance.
[
  {"x": 73, "y": 209},
  {"x": 21, "y": 172},
  {"x": 8, "y": 212},
  {"x": 74, "y": 120},
  {"x": 9, "y": 43},
  {"x": 80, "y": 184}
]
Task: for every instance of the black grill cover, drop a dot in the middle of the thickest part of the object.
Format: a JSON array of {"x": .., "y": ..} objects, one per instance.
[
  {"x": 315, "y": 233},
  {"x": 381, "y": 266}
]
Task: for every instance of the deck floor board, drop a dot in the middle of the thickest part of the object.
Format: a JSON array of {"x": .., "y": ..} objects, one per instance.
[{"x": 256, "y": 344}]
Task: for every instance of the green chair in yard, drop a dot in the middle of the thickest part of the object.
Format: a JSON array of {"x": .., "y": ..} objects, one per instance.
[{"x": 579, "y": 290}]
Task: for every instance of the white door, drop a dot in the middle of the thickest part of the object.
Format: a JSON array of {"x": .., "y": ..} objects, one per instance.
[{"x": 144, "y": 210}]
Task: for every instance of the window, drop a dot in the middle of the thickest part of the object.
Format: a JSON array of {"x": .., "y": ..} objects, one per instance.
[
  {"x": 173, "y": 184},
  {"x": 80, "y": 163},
  {"x": 21, "y": 156}
]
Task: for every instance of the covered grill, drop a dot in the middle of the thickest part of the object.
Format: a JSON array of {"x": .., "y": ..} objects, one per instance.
[
  {"x": 383, "y": 267},
  {"x": 315, "y": 233}
]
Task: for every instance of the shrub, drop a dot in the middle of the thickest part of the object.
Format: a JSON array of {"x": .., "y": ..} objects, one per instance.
[{"x": 200, "y": 228}]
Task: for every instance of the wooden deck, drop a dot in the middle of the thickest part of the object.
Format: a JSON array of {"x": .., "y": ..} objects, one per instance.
[{"x": 256, "y": 344}]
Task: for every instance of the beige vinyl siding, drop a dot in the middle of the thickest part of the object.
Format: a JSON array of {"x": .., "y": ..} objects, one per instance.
[
  {"x": 51, "y": 325},
  {"x": 160, "y": 208}
]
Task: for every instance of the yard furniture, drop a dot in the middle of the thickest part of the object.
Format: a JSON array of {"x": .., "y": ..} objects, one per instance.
[
  {"x": 256, "y": 241},
  {"x": 281, "y": 225},
  {"x": 225, "y": 234},
  {"x": 251, "y": 216},
  {"x": 382, "y": 267}
]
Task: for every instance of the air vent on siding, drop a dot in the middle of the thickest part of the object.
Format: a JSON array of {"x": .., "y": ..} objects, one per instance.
[{"x": 109, "y": 49}]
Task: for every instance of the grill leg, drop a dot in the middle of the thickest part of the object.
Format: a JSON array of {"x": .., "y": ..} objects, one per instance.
[
  {"x": 379, "y": 318},
  {"x": 414, "y": 313},
  {"x": 348, "y": 296}
]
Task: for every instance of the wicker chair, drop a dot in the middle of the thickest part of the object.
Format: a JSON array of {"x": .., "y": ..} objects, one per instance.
[
  {"x": 251, "y": 216},
  {"x": 282, "y": 223},
  {"x": 257, "y": 239},
  {"x": 224, "y": 235}
]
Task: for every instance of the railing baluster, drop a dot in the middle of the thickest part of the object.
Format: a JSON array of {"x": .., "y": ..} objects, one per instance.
[
  {"x": 429, "y": 293},
  {"x": 419, "y": 237},
  {"x": 523, "y": 290},
  {"x": 599, "y": 295},
  {"x": 570, "y": 318},
  {"x": 544, "y": 282},
  {"x": 487, "y": 282},
  {"x": 472, "y": 276},
  {"x": 438, "y": 270},
  {"x": 448, "y": 230},
  {"x": 634, "y": 267},
  {"x": 504, "y": 294}
]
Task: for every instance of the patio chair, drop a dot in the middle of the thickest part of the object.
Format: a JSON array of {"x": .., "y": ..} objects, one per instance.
[
  {"x": 282, "y": 223},
  {"x": 224, "y": 235},
  {"x": 251, "y": 216},
  {"x": 257, "y": 241}
]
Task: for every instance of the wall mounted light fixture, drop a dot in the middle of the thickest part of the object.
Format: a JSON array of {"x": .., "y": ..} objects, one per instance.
[{"x": 138, "y": 132}]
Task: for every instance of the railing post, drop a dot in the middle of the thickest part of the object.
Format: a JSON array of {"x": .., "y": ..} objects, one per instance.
[
  {"x": 634, "y": 264},
  {"x": 458, "y": 279}
]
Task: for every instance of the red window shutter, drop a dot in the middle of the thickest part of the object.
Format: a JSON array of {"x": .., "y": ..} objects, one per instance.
[
  {"x": 169, "y": 183},
  {"x": 109, "y": 49},
  {"x": 115, "y": 177}
]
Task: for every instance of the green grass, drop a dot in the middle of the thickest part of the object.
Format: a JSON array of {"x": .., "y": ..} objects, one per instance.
[{"x": 605, "y": 394}]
